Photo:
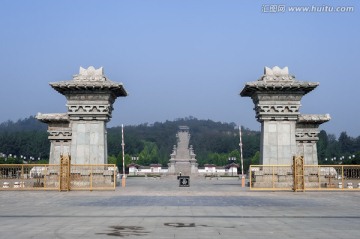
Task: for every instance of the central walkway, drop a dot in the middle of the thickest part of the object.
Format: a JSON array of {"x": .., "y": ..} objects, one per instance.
[{"x": 158, "y": 208}]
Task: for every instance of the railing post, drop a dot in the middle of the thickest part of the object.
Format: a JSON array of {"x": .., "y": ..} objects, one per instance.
[
  {"x": 294, "y": 175},
  {"x": 273, "y": 176},
  {"x": 250, "y": 179},
  {"x": 342, "y": 177},
  {"x": 45, "y": 176},
  {"x": 319, "y": 175},
  {"x": 91, "y": 177},
  {"x": 22, "y": 178},
  {"x": 59, "y": 175},
  {"x": 114, "y": 177}
]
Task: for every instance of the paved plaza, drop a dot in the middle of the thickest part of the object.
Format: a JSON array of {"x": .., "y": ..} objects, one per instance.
[{"x": 159, "y": 208}]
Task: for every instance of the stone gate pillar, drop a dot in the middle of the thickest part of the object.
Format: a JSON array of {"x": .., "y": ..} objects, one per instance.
[
  {"x": 307, "y": 130},
  {"x": 59, "y": 135},
  {"x": 277, "y": 96},
  {"x": 90, "y": 97}
]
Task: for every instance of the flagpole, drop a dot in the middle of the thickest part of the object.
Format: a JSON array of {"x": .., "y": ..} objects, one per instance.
[
  {"x": 123, "y": 180},
  {"x": 242, "y": 160}
]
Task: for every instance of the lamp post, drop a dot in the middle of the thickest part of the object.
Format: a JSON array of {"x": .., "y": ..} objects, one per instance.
[
  {"x": 242, "y": 160},
  {"x": 123, "y": 180}
]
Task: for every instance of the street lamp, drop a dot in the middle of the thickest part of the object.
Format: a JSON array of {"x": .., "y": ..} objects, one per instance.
[
  {"x": 351, "y": 156},
  {"x": 134, "y": 158}
]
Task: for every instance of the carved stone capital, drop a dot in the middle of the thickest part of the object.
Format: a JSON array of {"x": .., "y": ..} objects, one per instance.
[
  {"x": 90, "y": 112},
  {"x": 277, "y": 74},
  {"x": 91, "y": 109},
  {"x": 277, "y": 81},
  {"x": 277, "y": 109},
  {"x": 55, "y": 118},
  {"x": 60, "y": 134},
  {"x": 307, "y": 135},
  {"x": 90, "y": 74},
  {"x": 261, "y": 118},
  {"x": 97, "y": 97},
  {"x": 277, "y": 112},
  {"x": 312, "y": 120},
  {"x": 82, "y": 117},
  {"x": 284, "y": 96},
  {"x": 88, "y": 81}
]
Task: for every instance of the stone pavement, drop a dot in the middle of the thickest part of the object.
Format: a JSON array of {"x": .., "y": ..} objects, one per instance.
[{"x": 158, "y": 208}]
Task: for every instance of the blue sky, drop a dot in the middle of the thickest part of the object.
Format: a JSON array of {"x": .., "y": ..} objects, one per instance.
[{"x": 179, "y": 58}]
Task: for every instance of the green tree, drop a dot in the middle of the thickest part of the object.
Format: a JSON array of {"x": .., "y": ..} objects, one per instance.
[
  {"x": 149, "y": 154},
  {"x": 112, "y": 160},
  {"x": 255, "y": 160},
  {"x": 345, "y": 143},
  {"x": 322, "y": 147}
]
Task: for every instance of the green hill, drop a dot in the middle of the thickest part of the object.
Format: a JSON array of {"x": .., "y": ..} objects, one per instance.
[{"x": 213, "y": 142}]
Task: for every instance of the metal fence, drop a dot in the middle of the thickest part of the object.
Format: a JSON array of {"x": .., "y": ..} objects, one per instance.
[
  {"x": 315, "y": 177},
  {"x": 53, "y": 177},
  {"x": 93, "y": 177}
]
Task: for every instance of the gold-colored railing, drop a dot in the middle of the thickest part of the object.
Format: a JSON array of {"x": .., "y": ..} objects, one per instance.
[
  {"x": 93, "y": 177},
  {"x": 271, "y": 177},
  {"x": 49, "y": 177},
  {"x": 315, "y": 177}
]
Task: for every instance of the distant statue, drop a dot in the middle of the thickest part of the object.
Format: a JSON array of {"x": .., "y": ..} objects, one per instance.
[{"x": 183, "y": 158}]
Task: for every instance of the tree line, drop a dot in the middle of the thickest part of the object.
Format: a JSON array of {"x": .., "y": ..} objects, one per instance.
[{"x": 213, "y": 143}]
